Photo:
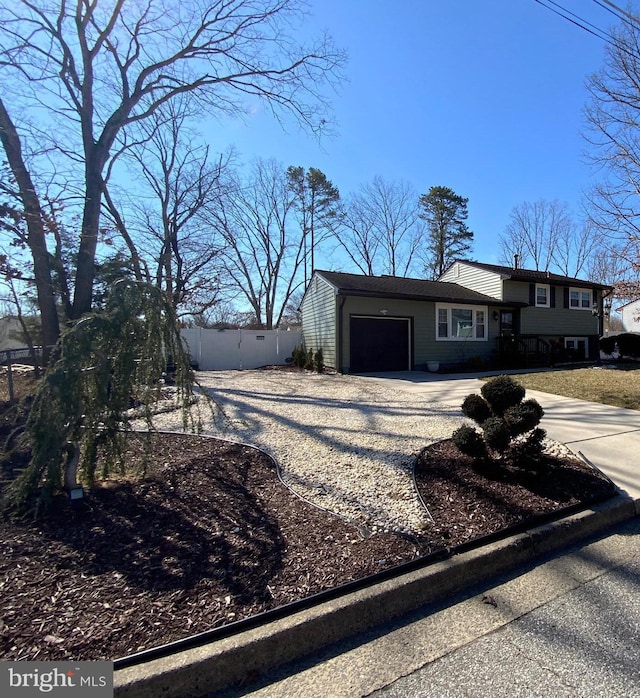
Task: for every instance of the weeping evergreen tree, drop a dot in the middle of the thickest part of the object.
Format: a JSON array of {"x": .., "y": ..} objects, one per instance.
[{"x": 103, "y": 365}]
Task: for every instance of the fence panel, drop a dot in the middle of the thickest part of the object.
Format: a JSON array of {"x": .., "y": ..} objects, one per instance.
[{"x": 217, "y": 350}]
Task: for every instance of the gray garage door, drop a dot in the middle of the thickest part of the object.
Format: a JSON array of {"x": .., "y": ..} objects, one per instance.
[{"x": 379, "y": 344}]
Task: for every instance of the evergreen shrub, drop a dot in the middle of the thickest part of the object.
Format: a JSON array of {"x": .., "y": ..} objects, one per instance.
[
  {"x": 509, "y": 424},
  {"x": 469, "y": 442},
  {"x": 308, "y": 364},
  {"x": 318, "y": 361},
  {"x": 501, "y": 393},
  {"x": 628, "y": 344}
]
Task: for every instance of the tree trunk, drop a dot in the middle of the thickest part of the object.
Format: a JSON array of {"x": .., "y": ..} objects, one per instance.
[
  {"x": 35, "y": 230},
  {"x": 85, "y": 270}
]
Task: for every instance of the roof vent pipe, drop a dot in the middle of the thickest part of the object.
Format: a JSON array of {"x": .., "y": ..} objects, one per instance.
[{"x": 516, "y": 258}]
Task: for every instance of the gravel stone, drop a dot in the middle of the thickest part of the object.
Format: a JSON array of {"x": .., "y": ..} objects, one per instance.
[{"x": 342, "y": 443}]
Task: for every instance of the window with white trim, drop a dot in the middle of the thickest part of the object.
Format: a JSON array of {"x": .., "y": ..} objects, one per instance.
[
  {"x": 577, "y": 347},
  {"x": 542, "y": 295},
  {"x": 461, "y": 323},
  {"x": 579, "y": 299}
]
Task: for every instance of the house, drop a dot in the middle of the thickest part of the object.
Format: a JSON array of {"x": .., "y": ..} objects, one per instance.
[
  {"x": 475, "y": 315},
  {"x": 630, "y": 316},
  {"x": 11, "y": 334}
]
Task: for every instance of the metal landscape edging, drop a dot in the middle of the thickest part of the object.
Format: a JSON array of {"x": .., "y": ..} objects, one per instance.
[
  {"x": 343, "y": 589},
  {"x": 232, "y": 660},
  {"x": 336, "y": 613}
]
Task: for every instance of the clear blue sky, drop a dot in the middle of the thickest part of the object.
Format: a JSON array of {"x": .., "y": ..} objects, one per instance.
[{"x": 483, "y": 96}]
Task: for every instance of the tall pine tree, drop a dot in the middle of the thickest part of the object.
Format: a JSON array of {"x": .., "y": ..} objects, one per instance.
[
  {"x": 315, "y": 199},
  {"x": 449, "y": 237}
]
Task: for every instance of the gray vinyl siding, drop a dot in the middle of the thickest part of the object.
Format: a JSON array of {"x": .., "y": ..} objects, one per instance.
[
  {"x": 319, "y": 319},
  {"x": 558, "y": 321},
  {"x": 480, "y": 280},
  {"x": 554, "y": 322},
  {"x": 423, "y": 317},
  {"x": 516, "y": 291}
]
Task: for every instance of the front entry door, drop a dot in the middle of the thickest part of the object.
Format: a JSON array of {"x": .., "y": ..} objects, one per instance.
[{"x": 507, "y": 327}]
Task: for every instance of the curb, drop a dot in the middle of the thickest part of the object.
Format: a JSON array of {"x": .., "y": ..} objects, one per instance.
[{"x": 229, "y": 661}]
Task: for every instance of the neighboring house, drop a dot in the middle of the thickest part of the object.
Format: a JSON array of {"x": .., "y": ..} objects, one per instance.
[
  {"x": 11, "y": 335},
  {"x": 630, "y": 316},
  {"x": 477, "y": 314}
]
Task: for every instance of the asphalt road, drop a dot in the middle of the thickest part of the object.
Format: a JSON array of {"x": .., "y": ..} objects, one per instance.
[
  {"x": 569, "y": 626},
  {"x": 584, "y": 643}
]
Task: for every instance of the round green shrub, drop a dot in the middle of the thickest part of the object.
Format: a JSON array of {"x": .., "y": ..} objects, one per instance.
[
  {"x": 469, "y": 442},
  {"x": 496, "y": 434},
  {"x": 501, "y": 393},
  {"x": 476, "y": 408},
  {"x": 523, "y": 417},
  {"x": 526, "y": 453},
  {"x": 628, "y": 344},
  {"x": 608, "y": 345}
]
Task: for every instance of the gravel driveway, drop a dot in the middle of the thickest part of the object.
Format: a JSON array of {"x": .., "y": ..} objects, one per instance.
[{"x": 342, "y": 442}]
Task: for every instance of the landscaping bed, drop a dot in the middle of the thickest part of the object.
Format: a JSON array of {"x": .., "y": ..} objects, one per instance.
[{"x": 210, "y": 535}]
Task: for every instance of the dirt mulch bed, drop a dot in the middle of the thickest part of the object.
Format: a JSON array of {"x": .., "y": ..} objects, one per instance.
[
  {"x": 212, "y": 536},
  {"x": 466, "y": 502}
]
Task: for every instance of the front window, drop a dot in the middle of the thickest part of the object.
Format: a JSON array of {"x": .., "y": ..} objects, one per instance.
[
  {"x": 461, "y": 323},
  {"x": 542, "y": 296},
  {"x": 443, "y": 323},
  {"x": 579, "y": 299}
]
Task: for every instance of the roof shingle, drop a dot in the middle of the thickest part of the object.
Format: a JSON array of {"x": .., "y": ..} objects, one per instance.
[{"x": 406, "y": 289}]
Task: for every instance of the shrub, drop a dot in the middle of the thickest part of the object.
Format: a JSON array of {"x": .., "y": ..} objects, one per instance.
[
  {"x": 501, "y": 393},
  {"x": 318, "y": 361},
  {"x": 476, "y": 363},
  {"x": 476, "y": 408},
  {"x": 608, "y": 345},
  {"x": 628, "y": 344},
  {"x": 496, "y": 434},
  {"x": 527, "y": 452},
  {"x": 503, "y": 416},
  {"x": 524, "y": 417},
  {"x": 299, "y": 356},
  {"x": 308, "y": 363},
  {"x": 469, "y": 442}
]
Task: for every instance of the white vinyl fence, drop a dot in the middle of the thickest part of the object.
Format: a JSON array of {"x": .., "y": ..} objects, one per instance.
[{"x": 218, "y": 350}]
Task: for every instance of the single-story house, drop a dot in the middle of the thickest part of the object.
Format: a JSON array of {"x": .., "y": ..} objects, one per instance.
[
  {"x": 630, "y": 316},
  {"x": 475, "y": 315}
]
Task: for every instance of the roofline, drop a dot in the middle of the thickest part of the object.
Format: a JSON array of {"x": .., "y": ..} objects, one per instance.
[
  {"x": 506, "y": 276},
  {"x": 488, "y": 300}
]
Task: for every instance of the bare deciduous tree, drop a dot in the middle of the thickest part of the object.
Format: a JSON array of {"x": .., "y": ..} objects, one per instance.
[
  {"x": 534, "y": 232},
  {"x": 380, "y": 228},
  {"x": 263, "y": 248},
  {"x": 94, "y": 69},
  {"x": 613, "y": 116},
  {"x": 183, "y": 182}
]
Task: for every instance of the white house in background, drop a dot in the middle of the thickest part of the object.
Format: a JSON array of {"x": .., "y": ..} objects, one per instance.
[
  {"x": 11, "y": 336},
  {"x": 630, "y": 316}
]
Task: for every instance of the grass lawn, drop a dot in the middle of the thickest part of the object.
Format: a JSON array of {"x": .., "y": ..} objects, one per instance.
[{"x": 619, "y": 386}]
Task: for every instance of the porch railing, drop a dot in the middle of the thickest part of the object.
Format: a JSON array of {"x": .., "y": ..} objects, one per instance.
[{"x": 524, "y": 350}]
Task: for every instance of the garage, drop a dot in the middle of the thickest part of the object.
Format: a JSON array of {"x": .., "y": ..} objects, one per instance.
[{"x": 380, "y": 344}]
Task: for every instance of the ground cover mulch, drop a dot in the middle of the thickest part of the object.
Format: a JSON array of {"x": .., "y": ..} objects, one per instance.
[{"x": 210, "y": 535}]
